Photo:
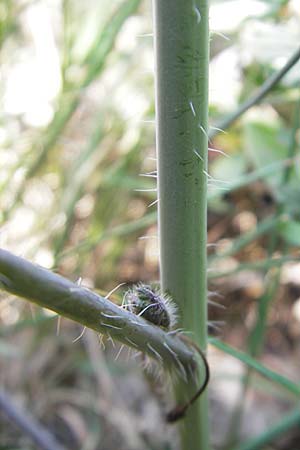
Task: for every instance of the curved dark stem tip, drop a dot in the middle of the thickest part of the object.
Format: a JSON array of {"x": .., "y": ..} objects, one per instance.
[{"x": 179, "y": 411}]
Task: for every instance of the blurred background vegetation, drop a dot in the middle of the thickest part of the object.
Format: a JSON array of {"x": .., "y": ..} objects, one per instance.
[{"x": 77, "y": 132}]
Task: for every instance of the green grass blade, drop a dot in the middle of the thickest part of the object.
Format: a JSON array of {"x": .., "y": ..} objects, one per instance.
[
  {"x": 239, "y": 243},
  {"x": 259, "y": 174},
  {"x": 104, "y": 43},
  {"x": 287, "y": 422},
  {"x": 264, "y": 264},
  {"x": 258, "y": 96},
  {"x": 280, "y": 380},
  {"x": 119, "y": 230},
  {"x": 69, "y": 101}
]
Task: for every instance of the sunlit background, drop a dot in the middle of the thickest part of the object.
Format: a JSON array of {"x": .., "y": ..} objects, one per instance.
[{"x": 77, "y": 134}]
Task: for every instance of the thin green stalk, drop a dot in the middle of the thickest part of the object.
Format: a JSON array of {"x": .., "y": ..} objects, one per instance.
[
  {"x": 264, "y": 264},
  {"x": 291, "y": 420},
  {"x": 283, "y": 382},
  {"x": 34, "y": 430},
  {"x": 258, "y": 96},
  {"x": 120, "y": 230},
  {"x": 259, "y": 174},
  {"x": 51, "y": 291},
  {"x": 239, "y": 243},
  {"x": 38, "y": 320},
  {"x": 256, "y": 338},
  {"x": 181, "y": 45},
  {"x": 94, "y": 62},
  {"x": 80, "y": 171},
  {"x": 258, "y": 332}
]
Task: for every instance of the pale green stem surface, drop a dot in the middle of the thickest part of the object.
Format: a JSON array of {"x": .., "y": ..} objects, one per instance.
[{"x": 181, "y": 47}]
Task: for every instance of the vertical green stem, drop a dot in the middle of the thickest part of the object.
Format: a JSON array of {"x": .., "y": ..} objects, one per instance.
[{"x": 181, "y": 45}]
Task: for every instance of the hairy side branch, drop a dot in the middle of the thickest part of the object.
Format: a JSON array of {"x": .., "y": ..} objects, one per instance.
[{"x": 52, "y": 291}]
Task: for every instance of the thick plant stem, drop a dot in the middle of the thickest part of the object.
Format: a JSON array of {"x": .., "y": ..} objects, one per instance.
[
  {"x": 181, "y": 45},
  {"x": 47, "y": 289}
]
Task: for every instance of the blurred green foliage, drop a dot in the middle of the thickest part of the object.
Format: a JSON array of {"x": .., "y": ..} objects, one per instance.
[{"x": 76, "y": 131}]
